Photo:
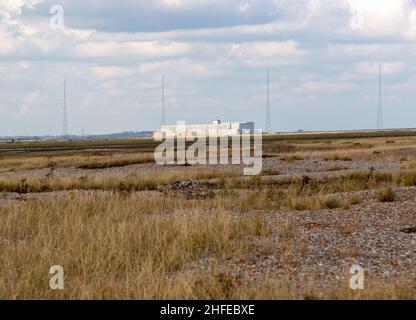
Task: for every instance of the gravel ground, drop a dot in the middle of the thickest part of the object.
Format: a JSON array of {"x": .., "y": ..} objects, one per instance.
[
  {"x": 322, "y": 245},
  {"x": 13, "y": 196},
  {"x": 317, "y": 165},
  {"x": 271, "y": 166},
  {"x": 319, "y": 245}
]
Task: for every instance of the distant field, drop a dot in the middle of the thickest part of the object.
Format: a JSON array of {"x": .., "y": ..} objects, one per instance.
[
  {"x": 148, "y": 142},
  {"x": 123, "y": 227},
  {"x": 75, "y": 145},
  {"x": 120, "y": 152}
]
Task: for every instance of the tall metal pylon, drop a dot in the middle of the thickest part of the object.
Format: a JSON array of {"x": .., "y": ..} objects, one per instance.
[
  {"x": 268, "y": 127},
  {"x": 163, "y": 115},
  {"x": 380, "y": 103},
  {"x": 65, "y": 119}
]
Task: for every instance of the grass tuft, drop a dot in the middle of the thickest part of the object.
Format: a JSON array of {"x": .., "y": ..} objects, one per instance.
[
  {"x": 386, "y": 195},
  {"x": 330, "y": 203},
  {"x": 356, "y": 200}
]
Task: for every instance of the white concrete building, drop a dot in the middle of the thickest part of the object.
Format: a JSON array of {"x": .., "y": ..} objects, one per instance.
[{"x": 214, "y": 129}]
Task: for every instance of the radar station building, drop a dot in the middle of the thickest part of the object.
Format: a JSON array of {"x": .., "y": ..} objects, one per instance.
[{"x": 214, "y": 129}]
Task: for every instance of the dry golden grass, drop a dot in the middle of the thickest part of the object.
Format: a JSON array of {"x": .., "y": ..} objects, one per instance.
[
  {"x": 111, "y": 182},
  {"x": 369, "y": 149},
  {"x": 120, "y": 247},
  {"x": 386, "y": 195},
  {"x": 84, "y": 160},
  {"x": 342, "y": 149},
  {"x": 127, "y": 245},
  {"x": 241, "y": 194},
  {"x": 114, "y": 247}
]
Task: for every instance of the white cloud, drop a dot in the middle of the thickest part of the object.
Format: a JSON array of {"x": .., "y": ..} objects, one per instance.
[
  {"x": 139, "y": 49},
  {"x": 372, "y": 67},
  {"x": 324, "y": 87},
  {"x": 31, "y": 100},
  {"x": 178, "y": 67},
  {"x": 310, "y": 48},
  {"x": 9, "y": 8},
  {"x": 88, "y": 101},
  {"x": 383, "y": 17},
  {"x": 386, "y": 17},
  {"x": 23, "y": 111},
  {"x": 244, "y": 7},
  {"x": 7, "y": 43},
  {"x": 108, "y": 72},
  {"x": 35, "y": 97},
  {"x": 250, "y": 50},
  {"x": 174, "y": 3}
]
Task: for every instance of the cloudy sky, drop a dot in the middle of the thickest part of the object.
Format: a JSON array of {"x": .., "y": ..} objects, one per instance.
[{"x": 323, "y": 57}]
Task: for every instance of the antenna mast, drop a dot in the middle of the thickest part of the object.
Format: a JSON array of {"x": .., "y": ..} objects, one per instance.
[
  {"x": 268, "y": 118},
  {"x": 380, "y": 104},
  {"x": 163, "y": 115},
  {"x": 65, "y": 119}
]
